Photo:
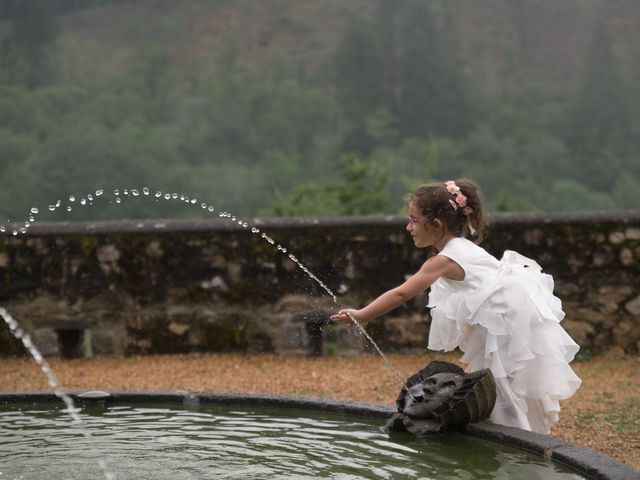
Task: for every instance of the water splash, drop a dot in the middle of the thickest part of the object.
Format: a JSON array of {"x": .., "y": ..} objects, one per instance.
[
  {"x": 128, "y": 193},
  {"x": 18, "y": 333}
]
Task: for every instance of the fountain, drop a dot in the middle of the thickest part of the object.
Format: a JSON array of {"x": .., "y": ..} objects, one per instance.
[{"x": 185, "y": 435}]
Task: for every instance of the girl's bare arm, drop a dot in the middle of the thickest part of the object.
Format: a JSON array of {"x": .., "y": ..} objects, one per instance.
[{"x": 434, "y": 268}]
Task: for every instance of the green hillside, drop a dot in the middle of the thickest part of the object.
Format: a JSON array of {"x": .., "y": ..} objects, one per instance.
[{"x": 323, "y": 107}]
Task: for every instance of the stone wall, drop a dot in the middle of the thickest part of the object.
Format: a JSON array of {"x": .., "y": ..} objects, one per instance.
[{"x": 136, "y": 287}]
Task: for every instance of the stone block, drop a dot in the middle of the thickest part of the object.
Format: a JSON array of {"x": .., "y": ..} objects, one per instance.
[
  {"x": 632, "y": 233},
  {"x": 626, "y": 257},
  {"x": 582, "y": 332},
  {"x": 583, "y": 314},
  {"x": 616, "y": 238},
  {"x": 46, "y": 340},
  {"x": 627, "y": 332},
  {"x": 633, "y": 306}
]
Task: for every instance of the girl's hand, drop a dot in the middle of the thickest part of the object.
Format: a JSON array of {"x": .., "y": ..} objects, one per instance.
[{"x": 343, "y": 316}]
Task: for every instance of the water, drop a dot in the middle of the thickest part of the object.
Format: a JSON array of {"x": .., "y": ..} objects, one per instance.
[{"x": 213, "y": 441}]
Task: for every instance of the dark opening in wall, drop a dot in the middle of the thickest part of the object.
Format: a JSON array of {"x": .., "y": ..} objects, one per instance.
[{"x": 71, "y": 343}]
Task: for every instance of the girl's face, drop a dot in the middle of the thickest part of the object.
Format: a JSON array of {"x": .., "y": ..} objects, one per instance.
[{"x": 423, "y": 233}]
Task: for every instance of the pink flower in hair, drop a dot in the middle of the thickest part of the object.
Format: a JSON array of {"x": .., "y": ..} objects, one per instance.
[{"x": 452, "y": 188}]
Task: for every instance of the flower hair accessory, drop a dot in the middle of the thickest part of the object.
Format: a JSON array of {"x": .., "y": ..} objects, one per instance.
[{"x": 460, "y": 199}]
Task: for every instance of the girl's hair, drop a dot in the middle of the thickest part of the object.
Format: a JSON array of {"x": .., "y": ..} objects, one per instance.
[{"x": 436, "y": 201}]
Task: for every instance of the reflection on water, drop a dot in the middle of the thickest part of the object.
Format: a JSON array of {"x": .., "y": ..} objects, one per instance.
[{"x": 146, "y": 442}]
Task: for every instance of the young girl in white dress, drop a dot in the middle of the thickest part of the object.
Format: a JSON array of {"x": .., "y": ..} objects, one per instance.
[{"x": 502, "y": 314}]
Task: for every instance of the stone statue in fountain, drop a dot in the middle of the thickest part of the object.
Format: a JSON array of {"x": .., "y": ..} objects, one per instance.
[{"x": 442, "y": 396}]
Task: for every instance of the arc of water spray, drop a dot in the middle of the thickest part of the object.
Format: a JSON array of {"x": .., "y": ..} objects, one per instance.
[{"x": 89, "y": 198}]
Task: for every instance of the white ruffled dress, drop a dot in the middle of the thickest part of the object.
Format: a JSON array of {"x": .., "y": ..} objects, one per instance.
[{"x": 504, "y": 316}]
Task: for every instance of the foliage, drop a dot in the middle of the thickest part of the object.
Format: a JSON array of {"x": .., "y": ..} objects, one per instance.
[
  {"x": 389, "y": 105},
  {"x": 360, "y": 191}
]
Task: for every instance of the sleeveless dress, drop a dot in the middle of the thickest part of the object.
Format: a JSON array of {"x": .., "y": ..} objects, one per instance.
[{"x": 504, "y": 317}]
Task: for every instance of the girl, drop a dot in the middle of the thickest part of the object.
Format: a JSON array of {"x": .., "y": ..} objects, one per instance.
[{"x": 502, "y": 314}]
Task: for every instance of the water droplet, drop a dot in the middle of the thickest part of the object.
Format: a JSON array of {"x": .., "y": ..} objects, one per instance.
[
  {"x": 83, "y": 201},
  {"x": 158, "y": 194},
  {"x": 116, "y": 192},
  {"x": 203, "y": 205},
  {"x": 135, "y": 192},
  {"x": 99, "y": 192},
  {"x": 69, "y": 208},
  {"x": 90, "y": 197},
  {"x": 15, "y": 232},
  {"x": 245, "y": 224},
  {"x": 22, "y": 230},
  {"x": 118, "y": 200},
  {"x": 182, "y": 197},
  {"x": 167, "y": 196},
  {"x": 255, "y": 230},
  {"x": 52, "y": 208},
  {"x": 264, "y": 235},
  {"x": 194, "y": 201},
  {"x": 145, "y": 190},
  {"x": 72, "y": 198},
  {"x": 174, "y": 195},
  {"x": 210, "y": 208},
  {"x": 27, "y": 224},
  {"x": 32, "y": 218},
  {"x": 34, "y": 210},
  {"x": 2, "y": 229},
  {"x": 125, "y": 192},
  {"x": 58, "y": 203}
]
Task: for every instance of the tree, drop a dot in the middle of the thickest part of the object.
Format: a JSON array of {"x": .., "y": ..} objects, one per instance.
[
  {"x": 23, "y": 53},
  {"x": 599, "y": 121},
  {"x": 432, "y": 96},
  {"x": 360, "y": 191},
  {"x": 358, "y": 79}
]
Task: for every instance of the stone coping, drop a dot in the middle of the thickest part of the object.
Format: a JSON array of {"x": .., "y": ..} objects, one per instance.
[
  {"x": 591, "y": 464},
  {"x": 225, "y": 224}
]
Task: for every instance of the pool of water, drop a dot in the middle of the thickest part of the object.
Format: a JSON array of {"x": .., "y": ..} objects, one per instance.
[{"x": 40, "y": 441}]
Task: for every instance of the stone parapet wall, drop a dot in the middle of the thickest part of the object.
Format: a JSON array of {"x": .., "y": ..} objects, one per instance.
[{"x": 160, "y": 286}]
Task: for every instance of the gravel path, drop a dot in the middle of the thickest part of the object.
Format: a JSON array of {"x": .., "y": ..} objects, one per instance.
[{"x": 603, "y": 416}]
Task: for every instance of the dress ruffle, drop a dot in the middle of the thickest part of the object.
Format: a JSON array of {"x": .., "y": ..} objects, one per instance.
[{"x": 510, "y": 323}]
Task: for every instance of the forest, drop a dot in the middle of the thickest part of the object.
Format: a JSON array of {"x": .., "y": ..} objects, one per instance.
[{"x": 325, "y": 108}]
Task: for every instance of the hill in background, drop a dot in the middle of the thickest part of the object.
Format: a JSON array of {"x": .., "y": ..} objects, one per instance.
[{"x": 320, "y": 107}]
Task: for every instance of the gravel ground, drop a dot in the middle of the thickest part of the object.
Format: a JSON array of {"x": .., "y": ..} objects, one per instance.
[{"x": 604, "y": 415}]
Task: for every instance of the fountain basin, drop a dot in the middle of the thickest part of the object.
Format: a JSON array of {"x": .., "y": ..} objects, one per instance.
[{"x": 213, "y": 435}]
